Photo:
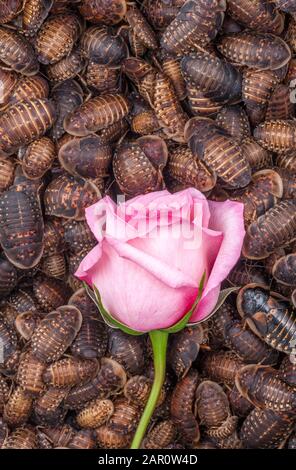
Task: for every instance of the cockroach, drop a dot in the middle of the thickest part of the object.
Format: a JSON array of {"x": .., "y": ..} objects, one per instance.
[
  {"x": 160, "y": 13},
  {"x": 21, "y": 438},
  {"x": 60, "y": 435},
  {"x": 26, "y": 323},
  {"x": 292, "y": 441},
  {"x": 9, "y": 345},
  {"x": 196, "y": 24},
  {"x": 9, "y": 10},
  {"x": 145, "y": 123},
  {"x": 137, "y": 390},
  {"x": 199, "y": 104},
  {"x": 125, "y": 417},
  {"x": 172, "y": 68},
  {"x": 83, "y": 439},
  {"x": 137, "y": 165},
  {"x": 53, "y": 237},
  {"x": 75, "y": 259},
  {"x": 107, "y": 438},
  {"x": 49, "y": 407},
  {"x": 69, "y": 371},
  {"x": 95, "y": 114},
  {"x": 57, "y": 36},
  {"x": 66, "y": 68},
  {"x": 18, "y": 408},
  {"x": 8, "y": 80},
  {"x": 43, "y": 441},
  {"x": 80, "y": 395},
  {"x": 235, "y": 122},
  {"x": 50, "y": 293},
  {"x": 91, "y": 340},
  {"x": 161, "y": 435},
  {"x": 239, "y": 405},
  {"x": 287, "y": 371},
  {"x": 38, "y": 158},
  {"x": 182, "y": 403},
  {"x": 23, "y": 301},
  {"x": 114, "y": 133},
  {"x": 86, "y": 157},
  {"x": 67, "y": 96},
  {"x": 284, "y": 270},
  {"x": 100, "y": 44},
  {"x": 141, "y": 27},
  {"x": 265, "y": 429},
  {"x": 24, "y": 122},
  {"x": 217, "y": 79},
  {"x": 68, "y": 197},
  {"x": 245, "y": 272},
  {"x": 286, "y": 161},
  {"x": 55, "y": 333},
  {"x": 217, "y": 324},
  {"x": 8, "y": 277},
  {"x": 4, "y": 431},
  {"x": 221, "y": 366},
  {"x": 54, "y": 266},
  {"x": 189, "y": 170},
  {"x": 290, "y": 34},
  {"x": 289, "y": 182},
  {"x": 128, "y": 350},
  {"x": 95, "y": 414},
  {"x": 218, "y": 150},
  {"x": 28, "y": 88},
  {"x": 30, "y": 374},
  {"x": 257, "y": 15},
  {"x": 102, "y": 78},
  {"x": 4, "y": 392},
  {"x": 17, "y": 53},
  {"x": 258, "y": 157},
  {"x": 103, "y": 11},
  {"x": 286, "y": 5},
  {"x": 256, "y": 50},
  {"x": 280, "y": 105},
  {"x": 35, "y": 13},
  {"x": 271, "y": 231},
  {"x": 270, "y": 261},
  {"x": 77, "y": 236},
  {"x": 138, "y": 49},
  {"x": 268, "y": 316}
]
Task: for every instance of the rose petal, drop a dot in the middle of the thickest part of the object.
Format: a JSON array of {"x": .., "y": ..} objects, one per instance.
[{"x": 88, "y": 264}]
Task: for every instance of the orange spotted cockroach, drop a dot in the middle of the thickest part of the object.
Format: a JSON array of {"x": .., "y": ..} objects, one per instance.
[
  {"x": 257, "y": 15},
  {"x": 145, "y": 122},
  {"x": 83, "y": 439},
  {"x": 107, "y": 438},
  {"x": 35, "y": 13},
  {"x": 172, "y": 68},
  {"x": 255, "y": 50},
  {"x": 78, "y": 236},
  {"x": 221, "y": 366},
  {"x": 53, "y": 237},
  {"x": 57, "y": 36},
  {"x": 96, "y": 114},
  {"x": 277, "y": 136},
  {"x": 199, "y": 104},
  {"x": 54, "y": 266},
  {"x": 74, "y": 261},
  {"x": 49, "y": 407},
  {"x": 140, "y": 27},
  {"x": 22, "y": 301},
  {"x": 103, "y": 11},
  {"x": 24, "y": 122},
  {"x": 28, "y": 88},
  {"x": 30, "y": 374},
  {"x": 137, "y": 390},
  {"x": 257, "y": 156},
  {"x": 160, "y": 436},
  {"x": 66, "y": 68},
  {"x": 284, "y": 270},
  {"x": 38, "y": 158},
  {"x": 235, "y": 122},
  {"x": 91, "y": 340},
  {"x": 68, "y": 197},
  {"x": 143, "y": 75},
  {"x": 4, "y": 392},
  {"x": 268, "y": 316},
  {"x": 239, "y": 405},
  {"x": 102, "y": 78},
  {"x": 286, "y": 161},
  {"x": 9, "y": 10},
  {"x": 8, "y": 80},
  {"x": 160, "y": 13},
  {"x": 280, "y": 105},
  {"x": 69, "y": 371},
  {"x": 195, "y": 25},
  {"x": 287, "y": 371},
  {"x": 26, "y": 323},
  {"x": 245, "y": 272},
  {"x": 8, "y": 277},
  {"x": 17, "y": 408},
  {"x": 100, "y": 44},
  {"x": 43, "y": 440},
  {"x": 271, "y": 231},
  {"x": 217, "y": 79},
  {"x": 80, "y": 395},
  {"x": 182, "y": 403},
  {"x": 55, "y": 333},
  {"x": 287, "y": 6},
  {"x": 50, "y": 293},
  {"x": 114, "y": 133},
  {"x": 189, "y": 170},
  {"x": 217, "y": 324},
  {"x": 127, "y": 350},
  {"x": 125, "y": 417},
  {"x": 17, "y": 53},
  {"x": 218, "y": 150},
  {"x": 86, "y": 157},
  {"x": 138, "y": 165},
  {"x": 95, "y": 414},
  {"x": 265, "y": 429},
  {"x": 21, "y": 438}
]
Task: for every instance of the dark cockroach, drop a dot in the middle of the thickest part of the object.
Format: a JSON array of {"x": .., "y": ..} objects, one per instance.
[
  {"x": 108, "y": 438},
  {"x": 271, "y": 260},
  {"x": 34, "y": 14},
  {"x": 277, "y": 136},
  {"x": 77, "y": 236},
  {"x": 218, "y": 150},
  {"x": 100, "y": 44},
  {"x": 50, "y": 293},
  {"x": 66, "y": 96},
  {"x": 112, "y": 134},
  {"x": 53, "y": 237},
  {"x": 8, "y": 80},
  {"x": 256, "y": 50},
  {"x": 189, "y": 170},
  {"x": 17, "y": 53},
  {"x": 257, "y": 15},
  {"x": 290, "y": 34},
  {"x": 83, "y": 439},
  {"x": 21, "y": 438},
  {"x": 103, "y": 11},
  {"x": 18, "y": 408},
  {"x": 48, "y": 407},
  {"x": 239, "y": 405},
  {"x": 292, "y": 441},
  {"x": 138, "y": 49},
  {"x": 268, "y": 316},
  {"x": 95, "y": 114},
  {"x": 91, "y": 340},
  {"x": 3, "y": 432},
  {"x": 55, "y": 333},
  {"x": 280, "y": 105},
  {"x": 182, "y": 407},
  {"x": 128, "y": 350},
  {"x": 161, "y": 435},
  {"x": 68, "y": 197},
  {"x": 286, "y": 161},
  {"x": 28, "y": 88},
  {"x": 80, "y": 395},
  {"x": 38, "y": 158},
  {"x": 287, "y": 371},
  {"x": 137, "y": 390},
  {"x": 289, "y": 183},
  {"x": 137, "y": 165},
  {"x": 43, "y": 440},
  {"x": 143, "y": 75},
  {"x": 217, "y": 79},
  {"x": 29, "y": 374},
  {"x": 286, "y": 5},
  {"x": 26, "y": 323},
  {"x": 9, "y": 346},
  {"x": 23, "y": 301},
  {"x": 160, "y": 13},
  {"x": 125, "y": 417},
  {"x": 95, "y": 414},
  {"x": 245, "y": 272},
  {"x": 69, "y": 371},
  {"x": 9, "y": 10},
  {"x": 257, "y": 156},
  {"x": 199, "y": 104},
  {"x": 24, "y": 122},
  {"x": 60, "y": 435},
  {"x": 284, "y": 270},
  {"x": 264, "y": 429},
  {"x": 217, "y": 324},
  {"x": 8, "y": 277},
  {"x": 235, "y": 122},
  {"x": 86, "y": 157},
  {"x": 74, "y": 260},
  {"x": 145, "y": 122},
  {"x": 141, "y": 27},
  {"x": 54, "y": 266},
  {"x": 57, "y": 37},
  {"x": 221, "y": 366},
  {"x": 66, "y": 68},
  {"x": 102, "y": 78},
  {"x": 271, "y": 231},
  {"x": 4, "y": 392},
  {"x": 172, "y": 68},
  {"x": 195, "y": 25}
]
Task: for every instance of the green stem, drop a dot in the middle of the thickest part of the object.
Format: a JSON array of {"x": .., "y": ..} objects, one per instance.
[{"x": 159, "y": 340}]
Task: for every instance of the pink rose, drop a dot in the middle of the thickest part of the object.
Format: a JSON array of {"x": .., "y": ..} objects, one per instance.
[{"x": 153, "y": 250}]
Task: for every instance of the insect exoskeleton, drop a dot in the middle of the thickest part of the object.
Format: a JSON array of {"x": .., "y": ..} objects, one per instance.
[
  {"x": 26, "y": 323},
  {"x": 221, "y": 366},
  {"x": 128, "y": 350},
  {"x": 17, "y": 53},
  {"x": 256, "y": 15},
  {"x": 99, "y": 43},
  {"x": 284, "y": 270},
  {"x": 18, "y": 407},
  {"x": 8, "y": 277},
  {"x": 34, "y": 14},
  {"x": 29, "y": 374},
  {"x": 277, "y": 136},
  {"x": 50, "y": 293},
  {"x": 21, "y": 438},
  {"x": 9, "y": 10},
  {"x": 95, "y": 414},
  {"x": 140, "y": 27},
  {"x": 103, "y": 11},
  {"x": 70, "y": 371},
  {"x": 161, "y": 435},
  {"x": 280, "y": 105},
  {"x": 66, "y": 68},
  {"x": 38, "y": 158},
  {"x": 160, "y": 13},
  {"x": 8, "y": 80},
  {"x": 28, "y": 88},
  {"x": 235, "y": 122},
  {"x": 257, "y": 156},
  {"x": 103, "y": 78}
]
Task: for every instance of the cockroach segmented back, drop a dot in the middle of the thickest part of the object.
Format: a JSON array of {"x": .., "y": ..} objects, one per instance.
[
  {"x": 28, "y": 88},
  {"x": 70, "y": 371},
  {"x": 111, "y": 377},
  {"x": 257, "y": 156},
  {"x": 145, "y": 123},
  {"x": 9, "y": 10},
  {"x": 172, "y": 68},
  {"x": 280, "y": 105},
  {"x": 198, "y": 102},
  {"x": 17, "y": 53},
  {"x": 38, "y": 158},
  {"x": 95, "y": 414},
  {"x": 78, "y": 236},
  {"x": 50, "y": 293},
  {"x": 60, "y": 435},
  {"x": 287, "y": 371},
  {"x": 276, "y": 136},
  {"x": 99, "y": 44},
  {"x": 161, "y": 435},
  {"x": 35, "y": 13},
  {"x": 26, "y": 323},
  {"x": 284, "y": 270},
  {"x": 235, "y": 122},
  {"x": 256, "y": 15},
  {"x": 103, "y": 11},
  {"x": 8, "y": 80},
  {"x": 103, "y": 78},
  {"x": 125, "y": 417},
  {"x": 160, "y": 13},
  {"x": 21, "y": 438},
  {"x": 49, "y": 407},
  {"x": 91, "y": 340},
  {"x": 18, "y": 408},
  {"x": 246, "y": 273},
  {"x": 108, "y": 438},
  {"x": 53, "y": 237},
  {"x": 221, "y": 366},
  {"x": 30, "y": 374},
  {"x": 4, "y": 392},
  {"x": 8, "y": 277},
  {"x": 66, "y": 68},
  {"x": 239, "y": 405},
  {"x": 54, "y": 266},
  {"x": 184, "y": 349},
  {"x": 128, "y": 350},
  {"x": 83, "y": 439},
  {"x": 140, "y": 27}
]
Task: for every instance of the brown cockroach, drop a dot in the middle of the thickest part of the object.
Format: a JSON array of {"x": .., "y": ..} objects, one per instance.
[
  {"x": 270, "y": 261},
  {"x": 83, "y": 439},
  {"x": 30, "y": 374},
  {"x": 108, "y": 438},
  {"x": 8, "y": 277},
  {"x": 138, "y": 165},
  {"x": 160, "y": 13},
  {"x": 264, "y": 429},
  {"x": 235, "y": 122},
  {"x": 21, "y": 438},
  {"x": 28, "y": 88},
  {"x": 172, "y": 68},
  {"x": 17, "y": 53},
  {"x": 258, "y": 157},
  {"x": 218, "y": 150},
  {"x": 60, "y": 435},
  {"x": 17, "y": 408},
  {"x": 189, "y": 170},
  {"x": 125, "y": 417},
  {"x": 57, "y": 36},
  {"x": 199, "y": 104},
  {"x": 268, "y": 316},
  {"x": 140, "y": 27},
  {"x": 23, "y": 301},
  {"x": 54, "y": 266},
  {"x": 86, "y": 157},
  {"x": 43, "y": 440},
  {"x": 280, "y": 105},
  {"x": 195, "y": 25},
  {"x": 38, "y": 158},
  {"x": 9, "y": 344},
  {"x": 239, "y": 405},
  {"x": 292, "y": 441},
  {"x": 95, "y": 414},
  {"x": 91, "y": 340},
  {"x": 287, "y": 371},
  {"x": 284, "y": 270},
  {"x": 66, "y": 68},
  {"x": 103, "y": 11},
  {"x": 24, "y": 122},
  {"x": 55, "y": 333},
  {"x": 286, "y": 5},
  {"x": 289, "y": 182},
  {"x": 35, "y": 13},
  {"x": 80, "y": 395},
  {"x": 9, "y": 10},
  {"x": 77, "y": 236},
  {"x": 160, "y": 436},
  {"x": 221, "y": 366},
  {"x": 276, "y": 136},
  {"x": 245, "y": 272},
  {"x": 50, "y": 293},
  {"x": 137, "y": 390},
  {"x": 271, "y": 231},
  {"x": 8, "y": 80},
  {"x": 217, "y": 79},
  {"x": 128, "y": 350},
  {"x": 114, "y": 133},
  {"x": 53, "y": 237},
  {"x": 182, "y": 403},
  {"x": 255, "y": 50},
  {"x": 256, "y": 15},
  {"x": 4, "y": 431},
  {"x": 49, "y": 407},
  {"x": 95, "y": 114},
  {"x": 4, "y": 392},
  {"x": 70, "y": 371},
  {"x": 217, "y": 324},
  {"x": 68, "y": 197},
  {"x": 145, "y": 122},
  {"x": 100, "y": 44},
  {"x": 286, "y": 161},
  {"x": 137, "y": 69},
  {"x": 74, "y": 260},
  {"x": 102, "y": 78},
  {"x": 138, "y": 49},
  {"x": 26, "y": 323},
  {"x": 290, "y": 34}
]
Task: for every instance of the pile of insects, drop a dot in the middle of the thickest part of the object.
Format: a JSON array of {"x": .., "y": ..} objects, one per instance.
[{"x": 117, "y": 97}]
